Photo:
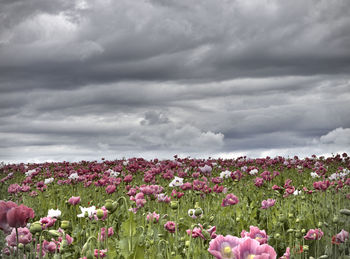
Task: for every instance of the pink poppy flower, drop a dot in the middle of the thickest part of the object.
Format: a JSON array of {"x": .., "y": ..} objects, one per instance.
[
  {"x": 47, "y": 222},
  {"x": 222, "y": 246},
  {"x": 74, "y": 200},
  {"x": 153, "y": 217},
  {"x": 286, "y": 255},
  {"x": 24, "y": 237},
  {"x": 230, "y": 199},
  {"x": 170, "y": 226},
  {"x": 265, "y": 204},
  {"x": 19, "y": 216},
  {"x": 314, "y": 234},
  {"x": 102, "y": 253},
  {"x": 258, "y": 181},
  {"x": 49, "y": 246},
  {"x": 256, "y": 233},
  {"x": 250, "y": 248},
  {"x": 342, "y": 236},
  {"x": 4, "y": 208},
  {"x": 110, "y": 189}
]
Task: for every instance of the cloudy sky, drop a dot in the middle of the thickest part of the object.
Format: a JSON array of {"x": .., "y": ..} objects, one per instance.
[{"x": 154, "y": 78}]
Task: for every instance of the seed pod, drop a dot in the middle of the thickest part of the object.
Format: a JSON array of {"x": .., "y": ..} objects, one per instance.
[
  {"x": 99, "y": 213},
  {"x": 35, "y": 227},
  {"x": 64, "y": 224},
  {"x": 345, "y": 212},
  {"x": 335, "y": 219},
  {"x": 174, "y": 205},
  {"x": 198, "y": 212}
]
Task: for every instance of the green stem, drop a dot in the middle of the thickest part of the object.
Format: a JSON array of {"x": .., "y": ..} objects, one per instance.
[{"x": 17, "y": 252}]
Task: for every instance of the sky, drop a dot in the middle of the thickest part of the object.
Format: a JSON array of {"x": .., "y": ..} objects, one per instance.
[{"x": 82, "y": 80}]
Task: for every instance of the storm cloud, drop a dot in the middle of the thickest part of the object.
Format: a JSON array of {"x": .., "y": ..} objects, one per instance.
[{"x": 91, "y": 79}]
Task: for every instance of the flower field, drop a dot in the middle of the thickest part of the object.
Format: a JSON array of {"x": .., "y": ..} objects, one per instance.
[{"x": 180, "y": 208}]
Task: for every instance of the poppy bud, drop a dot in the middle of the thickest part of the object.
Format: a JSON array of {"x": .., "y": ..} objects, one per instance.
[
  {"x": 187, "y": 243},
  {"x": 198, "y": 212},
  {"x": 109, "y": 204},
  {"x": 345, "y": 212},
  {"x": 174, "y": 205},
  {"x": 335, "y": 219},
  {"x": 99, "y": 213},
  {"x": 54, "y": 233},
  {"x": 35, "y": 227},
  {"x": 64, "y": 224}
]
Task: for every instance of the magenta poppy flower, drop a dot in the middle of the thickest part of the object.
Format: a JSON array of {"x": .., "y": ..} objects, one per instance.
[
  {"x": 47, "y": 222},
  {"x": 286, "y": 255},
  {"x": 230, "y": 199},
  {"x": 250, "y": 248},
  {"x": 49, "y": 246},
  {"x": 342, "y": 236},
  {"x": 104, "y": 235},
  {"x": 314, "y": 234},
  {"x": 222, "y": 246},
  {"x": 4, "y": 208},
  {"x": 257, "y": 234},
  {"x": 110, "y": 189},
  {"x": 258, "y": 181},
  {"x": 19, "y": 216},
  {"x": 265, "y": 204},
  {"x": 24, "y": 237},
  {"x": 74, "y": 200},
  {"x": 153, "y": 217},
  {"x": 102, "y": 253},
  {"x": 170, "y": 226}
]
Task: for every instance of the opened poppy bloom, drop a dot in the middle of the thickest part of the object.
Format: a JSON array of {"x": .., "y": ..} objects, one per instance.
[
  {"x": 250, "y": 248},
  {"x": 314, "y": 234},
  {"x": 4, "y": 208},
  {"x": 222, "y": 246},
  {"x": 74, "y": 200},
  {"x": 24, "y": 237},
  {"x": 230, "y": 199},
  {"x": 257, "y": 234},
  {"x": 17, "y": 216}
]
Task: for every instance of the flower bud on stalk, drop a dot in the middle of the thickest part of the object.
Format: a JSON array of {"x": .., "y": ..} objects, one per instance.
[
  {"x": 99, "y": 213},
  {"x": 64, "y": 224},
  {"x": 174, "y": 205},
  {"x": 345, "y": 212},
  {"x": 335, "y": 219},
  {"x": 109, "y": 205},
  {"x": 198, "y": 212},
  {"x": 35, "y": 227},
  {"x": 54, "y": 233}
]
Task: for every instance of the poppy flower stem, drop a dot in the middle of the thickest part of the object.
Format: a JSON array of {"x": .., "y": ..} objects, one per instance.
[{"x": 17, "y": 252}]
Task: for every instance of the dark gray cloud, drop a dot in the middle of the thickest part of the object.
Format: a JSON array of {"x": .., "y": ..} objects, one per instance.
[{"x": 82, "y": 79}]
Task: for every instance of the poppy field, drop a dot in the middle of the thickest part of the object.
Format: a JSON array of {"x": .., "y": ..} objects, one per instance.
[{"x": 180, "y": 208}]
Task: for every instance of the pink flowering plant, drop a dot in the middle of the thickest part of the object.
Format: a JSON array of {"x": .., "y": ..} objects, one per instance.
[{"x": 177, "y": 208}]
